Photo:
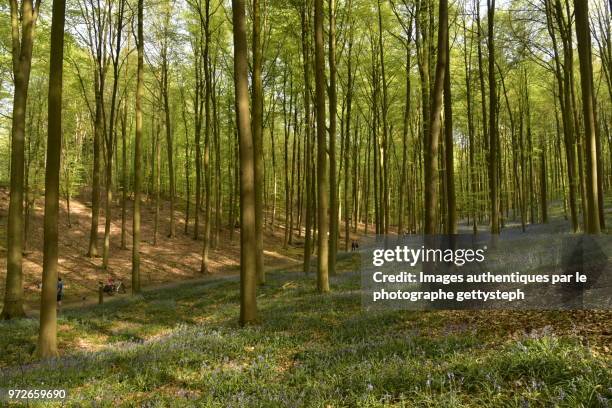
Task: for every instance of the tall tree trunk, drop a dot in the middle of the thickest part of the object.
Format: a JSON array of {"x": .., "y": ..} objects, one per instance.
[
  {"x": 384, "y": 160},
  {"x": 248, "y": 247},
  {"x": 187, "y": 165},
  {"x": 166, "y": 101},
  {"x": 137, "y": 155},
  {"x": 483, "y": 96},
  {"x": 217, "y": 137},
  {"x": 98, "y": 138},
  {"x": 307, "y": 191},
  {"x": 124, "y": 175},
  {"x": 292, "y": 205},
  {"x": 543, "y": 184},
  {"x": 157, "y": 179},
  {"x": 207, "y": 140},
  {"x": 471, "y": 135},
  {"x": 451, "y": 203},
  {"x": 405, "y": 132},
  {"x": 22, "y": 62},
  {"x": 333, "y": 109},
  {"x": 258, "y": 138},
  {"x": 493, "y": 135},
  {"x": 111, "y": 135},
  {"x": 286, "y": 126},
  {"x": 322, "y": 174},
  {"x": 347, "y": 137},
  {"x": 583, "y": 34},
  {"x": 431, "y": 152},
  {"x": 198, "y": 108},
  {"x": 47, "y": 336}
]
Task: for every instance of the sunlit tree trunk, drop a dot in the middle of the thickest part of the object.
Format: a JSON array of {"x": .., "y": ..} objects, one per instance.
[
  {"x": 137, "y": 155},
  {"x": 431, "y": 152},
  {"x": 166, "y": 102},
  {"x": 248, "y": 247},
  {"x": 307, "y": 191},
  {"x": 22, "y": 44},
  {"x": 347, "y": 142},
  {"x": 110, "y": 135},
  {"x": 47, "y": 335},
  {"x": 583, "y": 35},
  {"x": 493, "y": 134},
  {"x": 451, "y": 203},
  {"x": 207, "y": 140},
  {"x": 333, "y": 109},
  {"x": 322, "y": 174},
  {"x": 124, "y": 176},
  {"x": 258, "y": 138},
  {"x": 471, "y": 133}
]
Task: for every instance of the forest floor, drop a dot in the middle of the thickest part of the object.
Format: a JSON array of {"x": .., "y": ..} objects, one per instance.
[
  {"x": 171, "y": 260},
  {"x": 184, "y": 348}
]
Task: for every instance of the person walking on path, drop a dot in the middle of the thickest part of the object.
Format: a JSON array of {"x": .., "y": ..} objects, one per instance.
[{"x": 60, "y": 293}]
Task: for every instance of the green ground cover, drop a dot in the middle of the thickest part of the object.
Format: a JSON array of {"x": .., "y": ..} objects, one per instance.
[{"x": 182, "y": 347}]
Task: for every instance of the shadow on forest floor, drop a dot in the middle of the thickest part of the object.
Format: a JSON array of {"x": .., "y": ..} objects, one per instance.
[{"x": 182, "y": 347}]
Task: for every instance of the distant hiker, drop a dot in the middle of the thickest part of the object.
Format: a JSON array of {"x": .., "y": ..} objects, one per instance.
[
  {"x": 110, "y": 286},
  {"x": 60, "y": 293},
  {"x": 354, "y": 246}
]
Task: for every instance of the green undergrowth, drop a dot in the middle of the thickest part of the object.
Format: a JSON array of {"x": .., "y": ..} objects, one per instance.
[{"x": 183, "y": 347}]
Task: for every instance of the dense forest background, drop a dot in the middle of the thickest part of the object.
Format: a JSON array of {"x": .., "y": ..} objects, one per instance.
[{"x": 384, "y": 61}]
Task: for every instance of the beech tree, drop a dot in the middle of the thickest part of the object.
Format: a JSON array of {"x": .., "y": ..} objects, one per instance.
[
  {"x": 47, "y": 337},
  {"x": 23, "y": 23},
  {"x": 248, "y": 246},
  {"x": 137, "y": 152},
  {"x": 583, "y": 35},
  {"x": 322, "y": 173}
]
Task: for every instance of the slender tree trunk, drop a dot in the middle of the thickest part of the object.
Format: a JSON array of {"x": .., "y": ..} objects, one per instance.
[
  {"x": 471, "y": 136},
  {"x": 322, "y": 174},
  {"x": 95, "y": 187},
  {"x": 347, "y": 141},
  {"x": 47, "y": 336},
  {"x": 169, "y": 135},
  {"x": 333, "y": 109},
  {"x": 137, "y": 155},
  {"x": 110, "y": 137},
  {"x": 295, "y": 152},
  {"x": 431, "y": 156},
  {"x": 258, "y": 138},
  {"x": 543, "y": 184},
  {"x": 307, "y": 191},
  {"x": 157, "y": 180},
  {"x": 493, "y": 135},
  {"x": 405, "y": 131},
  {"x": 207, "y": 140},
  {"x": 286, "y": 127},
  {"x": 22, "y": 61},
  {"x": 248, "y": 247},
  {"x": 198, "y": 107},
  {"x": 187, "y": 165},
  {"x": 217, "y": 137},
  {"x": 384, "y": 159},
  {"x": 451, "y": 204},
  {"x": 583, "y": 35},
  {"x": 483, "y": 97},
  {"x": 124, "y": 175}
]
